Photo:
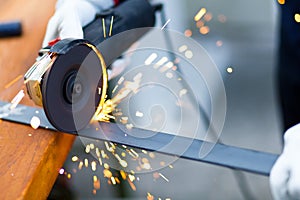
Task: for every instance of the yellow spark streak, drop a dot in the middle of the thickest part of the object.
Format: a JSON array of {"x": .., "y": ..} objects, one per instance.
[
  {"x": 200, "y": 14},
  {"x": 139, "y": 114},
  {"x": 168, "y": 21},
  {"x": 96, "y": 182},
  {"x": 151, "y": 58},
  {"x": 117, "y": 180},
  {"x": 162, "y": 61},
  {"x": 131, "y": 185},
  {"x": 182, "y": 92},
  {"x": 100, "y": 161},
  {"x": 135, "y": 153},
  {"x": 80, "y": 165},
  {"x": 113, "y": 180},
  {"x": 86, "y": 162},
  {"x": 92, "y": 146},
  {"x": 188, "y": 54},
  {"x": 97, "y": 152},
  {"x": 167, "y": 66},
  {"x": 161, "y": 175},
  {"x": 111, "y": 24},
  {"x": 297, "y": 17},
  {"x": 13, "y": 81},
  {"x": 106, "y": 166},
  {"x": 110, "y": 149},
  {"x": 94, "y": 166},
  {"x": 150, "y": 196},
  {"x": 131, "y": 177},
  {"x": 121, "y": 80},
  {"x": 144, "y": 151},
  {"x": 103, "y": 26},
  {"x": 95, "y": 178},
  {"x": 87, "y": 149},
  {"x": 16, "y": 100},
  {"x": 229, "y": 70},
  {"x": 123, "y": 175},
  {"x": 115, "y": 88},
  {"x": 182, "y": 48},
  {"x": 103, "y": 154},
  {"x": 75, "y": 158}
]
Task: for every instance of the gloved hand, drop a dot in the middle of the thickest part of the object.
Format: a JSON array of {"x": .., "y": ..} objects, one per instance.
[
  {"x": 71, "y": 15},
  {"x": 285, "y": 175},
  {"x": 69, "y": 18}
]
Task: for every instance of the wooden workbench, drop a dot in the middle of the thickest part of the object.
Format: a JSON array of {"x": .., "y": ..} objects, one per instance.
[{"x": 29, "y": 159}]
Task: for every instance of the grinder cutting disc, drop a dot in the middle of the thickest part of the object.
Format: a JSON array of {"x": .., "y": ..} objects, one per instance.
[{"x": 72, "y": 88}]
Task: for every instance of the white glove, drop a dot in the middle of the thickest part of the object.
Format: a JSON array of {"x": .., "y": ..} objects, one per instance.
[
  {"x": 285, "y": 175},
  {"x": 71, "y": 15}
]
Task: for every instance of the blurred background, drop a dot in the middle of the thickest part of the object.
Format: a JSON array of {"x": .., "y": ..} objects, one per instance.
[{"x": 241, "y": 38}]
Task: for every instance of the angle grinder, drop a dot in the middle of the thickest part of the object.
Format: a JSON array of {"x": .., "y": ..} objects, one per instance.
[{"x": 69, "y": 79}]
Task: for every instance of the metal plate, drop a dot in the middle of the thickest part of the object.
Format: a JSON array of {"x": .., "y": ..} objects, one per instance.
[{"x": 222, "y": 155}]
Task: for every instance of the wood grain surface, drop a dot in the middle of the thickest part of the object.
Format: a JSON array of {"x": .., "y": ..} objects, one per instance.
[{"x": 29, "y": 159}]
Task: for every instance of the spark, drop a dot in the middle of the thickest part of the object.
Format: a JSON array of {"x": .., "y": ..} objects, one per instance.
[
  {"x": 229, "y": 70},
  {"x": 167, "y": 22},
  {"x": 162, "y": 61},
  {"x": 169, "y": 75},
  {"x": 129, "y": 126},
  {"x": 111, "y": 24},
  {"x": 207, "y": 17},
  {"x": 297, "y": 17},
  {"x": 188, "y": 54},
  {"x": 219, "y": 43},
  {"x": 182, "y": 92},
  {"x": 75, "y": 158},
  {"x": 113, "y": 180},
  {"x": 167, "y": 66},
  {"x": 80, "y": 165},
  {"x": 61, "y": 171},
  {"x": 86, "y": 162},
  {"x": 13, "y": 81},
  {"x": 94, "y": 165},
  {"x": 107, "y": 173},
  {"x": 35, "y": 122},
  {"x": 161, "y": 175},
  {"x": 281, "y": 2},
  {"x": 115, "y": 88},
  {"x": 139, "y": 114},
  {"x": 17, "y": 99},
  {"x": 204, "y": 30},
  {"x": 123, "y": 175},
  {"x": 87, "y": 149},
  {"x": 120, "y": 81},
  {"x": 96, "y": 183},
  {"x": 182, "y": 48},
  {"x": 151, "y": 58},
  {"x": 131, "y": 185},
  {"x": 103, "y": 26},
  {"x": 200, "y": 14},
  {"x": 150, "y": 196},
  {"x": 188, "y": 33},
  {"x": 200, "y": 23}
]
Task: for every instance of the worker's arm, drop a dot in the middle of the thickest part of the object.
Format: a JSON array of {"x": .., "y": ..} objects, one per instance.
[{"x": 285, "y": 175}]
